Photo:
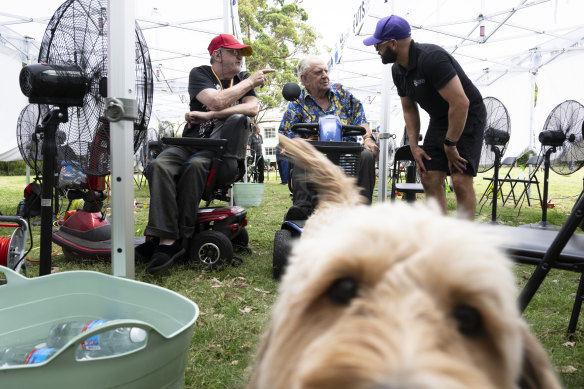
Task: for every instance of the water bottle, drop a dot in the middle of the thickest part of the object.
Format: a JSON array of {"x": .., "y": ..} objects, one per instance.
[
  {"x": 20, "y": 209},
  {"x": 24, "y": 354},
  {"x": 117, "y": 341}
]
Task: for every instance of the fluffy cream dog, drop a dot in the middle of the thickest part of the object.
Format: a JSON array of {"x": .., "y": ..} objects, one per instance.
[{"x": 394, "y": 296}]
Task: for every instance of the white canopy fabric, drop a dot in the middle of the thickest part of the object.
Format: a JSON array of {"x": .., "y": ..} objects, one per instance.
[
  {"x": 506, "y": 48},
  {"x": 525, "y": 42},
  {"x": 177, "y": 33}
]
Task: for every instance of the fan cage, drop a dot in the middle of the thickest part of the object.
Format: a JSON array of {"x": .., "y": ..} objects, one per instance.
[
  {"x": 30, "y": 142},
  {"x": 498, "y": 122},
  {"x": 566, "y": 118},
  {"x": 77, "y": 35}
]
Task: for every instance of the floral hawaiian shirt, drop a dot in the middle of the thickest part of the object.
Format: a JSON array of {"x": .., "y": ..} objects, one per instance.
[{"x": 343, "y": 104}]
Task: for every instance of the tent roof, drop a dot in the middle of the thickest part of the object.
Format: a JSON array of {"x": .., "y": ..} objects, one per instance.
[
  {"x": 523, "y": 43},
  {"x": 521, "y": 38}
]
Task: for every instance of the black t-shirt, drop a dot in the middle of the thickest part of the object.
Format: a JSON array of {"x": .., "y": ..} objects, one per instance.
[
  {"x": 430, "y": 68},
  {"x": 202, "y": 77},
  {"x": 255, "y": 143}
]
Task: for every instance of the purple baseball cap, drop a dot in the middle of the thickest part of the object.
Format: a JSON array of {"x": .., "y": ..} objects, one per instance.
[{"x": 388, "y": 28}]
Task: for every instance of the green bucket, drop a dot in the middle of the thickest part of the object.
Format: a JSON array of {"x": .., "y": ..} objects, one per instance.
[
  {"x": 248, "y": 194},
  {"x": 29, "y": 307}
]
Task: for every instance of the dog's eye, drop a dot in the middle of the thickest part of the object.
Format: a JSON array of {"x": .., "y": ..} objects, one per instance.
[
  {"x": 470, "y": 322},
  {"x": 342, "y": 291}
]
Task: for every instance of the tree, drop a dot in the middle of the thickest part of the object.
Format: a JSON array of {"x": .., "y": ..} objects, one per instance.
[{"x": 278, "y": 33}]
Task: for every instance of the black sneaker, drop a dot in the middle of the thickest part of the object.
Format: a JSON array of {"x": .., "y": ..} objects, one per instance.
[
  {"x": 164, "y": 255},
  {"x": 143, "y": 252}
]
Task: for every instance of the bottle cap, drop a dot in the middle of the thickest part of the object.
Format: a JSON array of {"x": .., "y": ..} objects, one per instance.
[{"x": 137, "y": 335}]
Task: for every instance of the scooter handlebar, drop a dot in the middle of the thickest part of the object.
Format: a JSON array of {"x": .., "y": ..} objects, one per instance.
[{"x": 312, "y": 129}]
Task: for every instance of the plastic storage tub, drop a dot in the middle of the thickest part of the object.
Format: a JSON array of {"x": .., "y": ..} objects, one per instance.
[
  {"x": 30, "y": 307},
  {"x": 248, "y": 194}
]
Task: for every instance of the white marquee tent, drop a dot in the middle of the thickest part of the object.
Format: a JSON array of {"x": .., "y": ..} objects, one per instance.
[
  {"x": 526, "y": 53},
  {"x": 524, "y": 42}
]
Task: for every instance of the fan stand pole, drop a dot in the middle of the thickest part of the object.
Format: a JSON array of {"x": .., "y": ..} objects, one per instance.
[
  {"x": 495, "y": 183},
  {"x": 49, "y": 126},
  {"x": 546, "y": 177}
]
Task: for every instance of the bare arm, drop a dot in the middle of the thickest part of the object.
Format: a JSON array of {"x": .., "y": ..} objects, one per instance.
[
  {"x": 412, "y": 119},
  {"x": 458, "y": 105},
  {"x": 248, "y": 107},
  {"x": 218, "y": 100},
  {"x": 368, "y": 141}
]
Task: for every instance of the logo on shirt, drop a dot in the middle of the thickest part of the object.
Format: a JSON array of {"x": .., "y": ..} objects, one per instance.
[{"x": 417, "y": 83}]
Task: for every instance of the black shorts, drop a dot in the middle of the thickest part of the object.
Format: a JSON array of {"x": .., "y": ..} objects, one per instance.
[{"x": 469, "y": 147}]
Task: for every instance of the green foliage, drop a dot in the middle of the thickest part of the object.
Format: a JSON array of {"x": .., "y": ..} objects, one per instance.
[
  {"x": 12, "y": 168},
  {"x": 278, "y": 32}
]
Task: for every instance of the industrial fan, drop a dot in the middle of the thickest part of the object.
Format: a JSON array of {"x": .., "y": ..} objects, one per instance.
[
  {"x": 562, "y": 145},
  {"x": 76, "y": 41},
  {"x": 495, "y": 140},
  {"x": 30, "y": 142}
]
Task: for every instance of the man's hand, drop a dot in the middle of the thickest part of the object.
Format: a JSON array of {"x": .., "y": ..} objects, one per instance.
[
  {"x": 455, "y": 161},
  {"x": 420, "y": 155},
  {"x": 197, "y": 117},
  {"x": 370, "y": 145},
  {"x": 259, "y": 78}
]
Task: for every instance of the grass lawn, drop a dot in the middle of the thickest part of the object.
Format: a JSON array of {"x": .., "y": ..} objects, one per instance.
[{"x": 235, "y": 302}]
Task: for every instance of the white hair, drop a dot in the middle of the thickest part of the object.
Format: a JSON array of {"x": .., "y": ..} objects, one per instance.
[{"x": 304, "y": 65}]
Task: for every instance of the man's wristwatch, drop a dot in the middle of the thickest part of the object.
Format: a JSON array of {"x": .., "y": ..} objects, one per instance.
[{"x": 449, "y": 142}]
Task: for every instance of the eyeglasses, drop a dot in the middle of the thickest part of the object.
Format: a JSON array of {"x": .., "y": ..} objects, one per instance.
[
  {"x": 235, "y": 52},
  {"x": 378, "y": 45}
]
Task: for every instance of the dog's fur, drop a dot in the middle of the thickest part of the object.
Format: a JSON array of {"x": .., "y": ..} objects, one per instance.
[{"x": 435, "y": 303}]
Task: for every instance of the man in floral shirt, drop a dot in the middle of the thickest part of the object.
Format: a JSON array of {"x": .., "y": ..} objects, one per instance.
[{"x": 319, "y": 97}]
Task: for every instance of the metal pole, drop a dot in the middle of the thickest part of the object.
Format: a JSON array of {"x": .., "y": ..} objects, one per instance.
[
  {"x": 122, "y": 85},
  {"x": 384, "y": 133}
]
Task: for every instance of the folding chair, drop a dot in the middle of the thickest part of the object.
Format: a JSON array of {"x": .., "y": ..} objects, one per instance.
[
  {"x": 534, "y": 162},
  {"x": 404, "y": 175},
  {"x": 507, "y": 161},
  {"x": 547, "y": 249}
]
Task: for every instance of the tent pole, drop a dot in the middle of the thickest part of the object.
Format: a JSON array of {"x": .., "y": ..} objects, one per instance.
[
  {"x": 384, "y": 133},
  {"x": 121, "y": 87}
]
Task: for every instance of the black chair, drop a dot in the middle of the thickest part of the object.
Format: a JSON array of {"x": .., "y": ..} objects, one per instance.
[
  {"x": 548, "y": 249},
  {"x": 230, "y": 148},
  {"x": 404, "y": 177},
  {"x": 510, "y": 163},
  {"x": 534, "y": 162}
]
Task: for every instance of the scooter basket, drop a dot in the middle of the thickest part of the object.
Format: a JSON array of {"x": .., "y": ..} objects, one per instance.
[
  {"x": 30, "y": 307},
  {"x": 343, "y": 154}
]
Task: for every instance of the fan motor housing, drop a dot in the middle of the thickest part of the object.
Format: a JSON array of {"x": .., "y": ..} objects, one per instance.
[
  {"x": 552, "y": 138},
  {"x": 496, "y": 137},
  {"x": 60, "y": 85}
]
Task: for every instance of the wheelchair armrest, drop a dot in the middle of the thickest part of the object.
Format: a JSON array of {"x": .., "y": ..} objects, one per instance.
[{"x": 202, "y": 143}]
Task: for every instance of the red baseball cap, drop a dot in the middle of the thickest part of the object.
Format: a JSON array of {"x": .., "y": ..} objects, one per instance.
[{"x": 228, "y": 41}]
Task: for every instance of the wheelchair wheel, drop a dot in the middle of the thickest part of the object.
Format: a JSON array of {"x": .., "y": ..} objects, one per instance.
[
  {"x": 211, "y": 249},
  {"x": 282, "y": 240},
  {"x": 241, "y": 242}
]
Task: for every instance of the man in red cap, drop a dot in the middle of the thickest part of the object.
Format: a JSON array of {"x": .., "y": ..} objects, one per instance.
[
  {"x": 428, "y": 75},
  {"x": 179, "y": 173}
]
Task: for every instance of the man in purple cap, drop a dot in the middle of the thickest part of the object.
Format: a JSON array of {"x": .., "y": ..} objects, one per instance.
[
  {"x": 179, "y": 174},
  {"x": 427, "y": 75}
]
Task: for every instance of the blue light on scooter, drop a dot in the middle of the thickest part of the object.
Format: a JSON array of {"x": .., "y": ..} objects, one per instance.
[{"x": 330, "y": 128}]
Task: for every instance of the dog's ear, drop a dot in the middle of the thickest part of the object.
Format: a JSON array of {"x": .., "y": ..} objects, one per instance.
[{"x": 537, "y": 371}]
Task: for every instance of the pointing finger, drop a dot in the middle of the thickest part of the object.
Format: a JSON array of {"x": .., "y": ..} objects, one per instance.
[{"x": 266, "y": 71}]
